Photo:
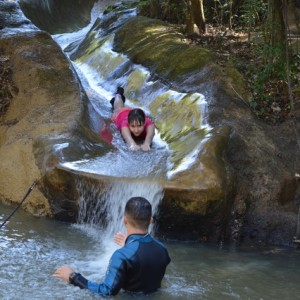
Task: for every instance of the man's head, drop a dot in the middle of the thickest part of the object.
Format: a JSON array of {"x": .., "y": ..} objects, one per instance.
[{"x": 138, "y": 212}]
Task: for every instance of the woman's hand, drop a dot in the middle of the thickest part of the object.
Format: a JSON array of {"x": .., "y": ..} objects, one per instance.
[
  {"x": 145, "y": 147},
  {"x": 120, "y": 238},
  {"x": 63, "y": 272},
  {"x": 125, "y": 132},
  {"x": 149, "y": 137},
  {"x": 134, "y": 147}
]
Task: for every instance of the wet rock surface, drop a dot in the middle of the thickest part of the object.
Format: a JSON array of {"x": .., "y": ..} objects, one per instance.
[
  {"x": 41, "y": 106},
  {"x": 57, "y": 16},
  {"x": 248, "y": 168}
]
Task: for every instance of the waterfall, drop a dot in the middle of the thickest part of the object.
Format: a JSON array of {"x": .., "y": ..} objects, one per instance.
[
  {"x": 101, "y": 204},
  {"x": 123, "y": 174}
]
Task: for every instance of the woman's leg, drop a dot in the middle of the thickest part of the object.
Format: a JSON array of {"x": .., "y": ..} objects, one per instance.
[{"x": 118, "y": 102}]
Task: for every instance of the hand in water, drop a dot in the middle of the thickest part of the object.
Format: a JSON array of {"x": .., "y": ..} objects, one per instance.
[
  {"x": 145, "y": 147},
  {"x": 63, "y": 273},
  {"x": 134, "y": 147},
  {"x": 120, "y": 238}
]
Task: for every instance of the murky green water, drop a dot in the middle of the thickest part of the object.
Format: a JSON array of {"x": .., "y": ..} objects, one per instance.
[{"x": 32, "y": 248}]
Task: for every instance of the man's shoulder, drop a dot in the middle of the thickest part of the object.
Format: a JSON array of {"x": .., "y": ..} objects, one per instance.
[
  {"x": 127, "y": 251},
  {"x": 158, "y": 242}
]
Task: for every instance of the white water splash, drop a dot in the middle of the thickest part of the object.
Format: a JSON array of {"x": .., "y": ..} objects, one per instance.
[{"x": 102, "y": 205}]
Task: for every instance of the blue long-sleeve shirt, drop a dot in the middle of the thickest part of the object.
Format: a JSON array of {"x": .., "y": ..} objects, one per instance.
[{"x": 139, "y": 266}]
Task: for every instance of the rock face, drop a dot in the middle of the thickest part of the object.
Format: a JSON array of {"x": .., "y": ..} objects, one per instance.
[
  {"x": 242, "y": 189},
  {"x": 57, "y": 16},
  {"x": 45, "y": 107}
]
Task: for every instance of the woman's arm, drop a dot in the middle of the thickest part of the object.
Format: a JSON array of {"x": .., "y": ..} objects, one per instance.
[
  {"x": 149, "y": 137},
  {"x": 128, "y": 139}
]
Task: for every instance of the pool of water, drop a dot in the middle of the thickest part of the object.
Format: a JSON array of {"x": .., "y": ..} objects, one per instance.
[{"x": 31, "y": 248}]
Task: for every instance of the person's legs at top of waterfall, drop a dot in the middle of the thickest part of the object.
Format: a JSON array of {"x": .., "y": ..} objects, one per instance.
[
  {"x": 118, "y": 95},
  {"x": 136, "y": 128},
  {"x": 116, "y": 102}
]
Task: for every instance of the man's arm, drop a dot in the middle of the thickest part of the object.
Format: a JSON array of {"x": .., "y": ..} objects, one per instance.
[
  {"x": 114, "y": 277},
  {"x": 111, "y": 285},
  {"x": 69, "y": 275}
]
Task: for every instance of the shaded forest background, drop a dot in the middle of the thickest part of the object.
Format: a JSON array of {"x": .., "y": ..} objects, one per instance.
[{"x": 259, "y": 37}]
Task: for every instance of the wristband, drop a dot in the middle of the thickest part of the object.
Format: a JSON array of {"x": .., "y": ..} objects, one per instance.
[
  {"x": 72, "y": 277},
  {"x": 78, "y": 280}
]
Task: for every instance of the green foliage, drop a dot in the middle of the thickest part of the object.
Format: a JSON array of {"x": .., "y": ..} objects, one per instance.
[
  {"x": 222, "y": 12},
  {"x": 267, "y": 72},
  {"x": 295, "y": 69},
  {"x": 144, "y": 7},
  {"x": 268, "y": 75},
  {"x": 174, "y": 11},
  {"x": 229, "y": 20},
  {"x": 121, "y": 6},
  {"x": 253, "y": 13}
]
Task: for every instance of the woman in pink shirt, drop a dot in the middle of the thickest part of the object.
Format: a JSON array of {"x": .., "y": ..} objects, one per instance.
[{"x": 136, "y": 128}]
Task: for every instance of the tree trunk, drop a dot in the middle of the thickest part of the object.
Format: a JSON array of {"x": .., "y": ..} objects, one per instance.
[
  {"x": 295, "y": 7},
  {"x": 189, "y": 19},
  {"x": 195, "y": 16},
  {"x": 276, "y": 23},
  {"x": 155, "y": 9},
  {"x": 198, "y": 15}
]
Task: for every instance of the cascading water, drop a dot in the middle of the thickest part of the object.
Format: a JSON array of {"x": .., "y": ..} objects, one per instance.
[
  {"x": 102, "y": 206},
  {"x": 102, "y": 202},
  {"x": 101, "y": 210},
  {"x": 120, "y": 171}
]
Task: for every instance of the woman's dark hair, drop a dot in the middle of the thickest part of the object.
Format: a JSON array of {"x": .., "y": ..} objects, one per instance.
[
  {"x": 139, "y": 211},
  {"x": 137, "y": 115}
]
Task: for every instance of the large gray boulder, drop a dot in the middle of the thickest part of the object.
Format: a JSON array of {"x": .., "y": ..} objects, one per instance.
[{"x": 42, "y": 107}]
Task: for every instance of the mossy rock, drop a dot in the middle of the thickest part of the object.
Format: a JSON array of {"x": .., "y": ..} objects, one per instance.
[{"x": 160, "y": 47}]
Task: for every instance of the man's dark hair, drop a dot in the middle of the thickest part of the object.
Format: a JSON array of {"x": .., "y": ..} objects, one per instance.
[{"x": 139, "y": 211}]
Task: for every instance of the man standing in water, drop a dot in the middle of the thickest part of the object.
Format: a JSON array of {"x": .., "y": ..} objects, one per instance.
[{"x": 139, "y": 266}]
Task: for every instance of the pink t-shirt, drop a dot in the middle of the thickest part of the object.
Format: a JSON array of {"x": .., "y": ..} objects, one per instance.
[{"x": 120, "y": 118}]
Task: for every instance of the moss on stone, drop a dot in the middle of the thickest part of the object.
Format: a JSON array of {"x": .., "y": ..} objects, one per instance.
[
  {"x": 178, "y": 118},
  {"x": 120, "y": 6},
  {"x": 136, "y": 80},
  {"x": 90, "y": 45},
  {"x": 236, "y": 81},
  {"x": 160, "y": 48}
]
